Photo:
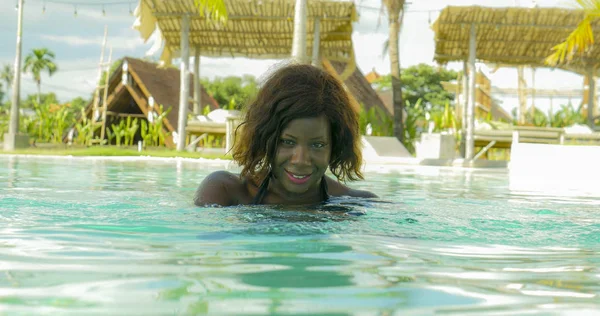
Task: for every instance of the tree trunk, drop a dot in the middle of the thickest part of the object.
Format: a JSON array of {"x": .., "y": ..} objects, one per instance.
[
  {"x": 13, "y": 127},
  {"x": 39, "y": 90},
  {"x": 394, "y": 53}
]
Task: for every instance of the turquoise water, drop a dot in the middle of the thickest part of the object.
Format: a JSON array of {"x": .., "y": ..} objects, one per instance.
[{"x": 91, "y": 236}]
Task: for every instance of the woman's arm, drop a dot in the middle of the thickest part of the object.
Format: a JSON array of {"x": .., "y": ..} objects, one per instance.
[{"x": 338, "y": 189}]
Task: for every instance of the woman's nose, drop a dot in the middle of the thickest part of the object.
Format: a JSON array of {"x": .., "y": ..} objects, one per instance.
[{"x": 300, "y": 155}]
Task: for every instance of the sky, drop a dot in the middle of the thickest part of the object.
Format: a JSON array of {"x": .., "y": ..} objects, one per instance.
[{"x": 76, "y": 39}]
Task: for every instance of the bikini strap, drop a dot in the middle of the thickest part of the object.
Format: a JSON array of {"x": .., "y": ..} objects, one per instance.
[
  {"x": 324, "y": 189},
  {"x": 262, "y": 190}
]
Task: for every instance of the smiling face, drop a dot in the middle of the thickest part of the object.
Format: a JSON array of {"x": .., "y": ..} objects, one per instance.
[{"x": 303, "y": 154}]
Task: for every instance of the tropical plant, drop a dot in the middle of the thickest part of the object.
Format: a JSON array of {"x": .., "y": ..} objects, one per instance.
[
  {"x": 413, "y": 124},
  {"x": 85, "y": 130},
  {"x": 31, "y": 101},
  {"x": 395, "y": 13},
  {"x": 567, "y": 116},
  {"x": 38, "y": 61},
  {"x": 153, "y": 133},
  {"x": 581, "y": 38},
  {"x": 2, "y": 93},
  {"x": 119, "y": 130},
  {"x": 379, "y": 121},
  {"x": 49, "y": 123},
  {"x": 6, "y": 76}
]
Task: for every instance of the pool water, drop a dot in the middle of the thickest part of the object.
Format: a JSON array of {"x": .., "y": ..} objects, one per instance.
[{"x": 95, "y": 236}]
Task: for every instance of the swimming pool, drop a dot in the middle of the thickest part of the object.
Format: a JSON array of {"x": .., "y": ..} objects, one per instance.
[{"x": 95, "y": 236}]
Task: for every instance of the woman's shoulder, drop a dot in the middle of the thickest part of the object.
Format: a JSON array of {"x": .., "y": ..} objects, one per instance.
[
  {"x": 337, "y": 188},
  {"x": 224, "y": 177},
  {"x": 220, "y": 188}
]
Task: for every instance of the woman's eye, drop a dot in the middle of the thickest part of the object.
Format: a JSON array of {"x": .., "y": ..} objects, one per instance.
[
  {"x": 287, "y": 142},
  {"x": 318, "y": 145}
]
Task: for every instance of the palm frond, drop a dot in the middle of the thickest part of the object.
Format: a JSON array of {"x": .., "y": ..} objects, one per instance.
[
  {"x": 581, "y": 39},
  {"x": 386, "y": 47},
  {"x": 213, "y": 9}
]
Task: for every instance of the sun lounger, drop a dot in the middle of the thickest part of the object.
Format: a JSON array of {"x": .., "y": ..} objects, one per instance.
[{"x": 206, "y": 127}]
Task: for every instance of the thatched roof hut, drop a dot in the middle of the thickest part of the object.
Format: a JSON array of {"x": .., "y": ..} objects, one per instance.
[{"x": 137, "y": 88}]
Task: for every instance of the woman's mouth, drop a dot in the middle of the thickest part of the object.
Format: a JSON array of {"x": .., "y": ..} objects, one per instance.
[{"x": 297, "y": 178}]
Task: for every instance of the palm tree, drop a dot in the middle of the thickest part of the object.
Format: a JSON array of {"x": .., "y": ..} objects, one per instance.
[
  {"x": 395, "y": 13},
  {"x": 7, "y": 75},
  {"x": 581, "y": 38},
  {"x": 39, "y": 60}
]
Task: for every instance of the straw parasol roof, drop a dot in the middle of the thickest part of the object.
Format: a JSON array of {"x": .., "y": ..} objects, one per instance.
[
  {"x": 255, "y": 28},
  {"x": 509, "y": 36}
]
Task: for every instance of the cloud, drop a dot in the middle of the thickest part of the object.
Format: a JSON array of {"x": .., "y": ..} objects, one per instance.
[
  {"x": 74, "y": 78},
  {"x": 116, "y": 42}
]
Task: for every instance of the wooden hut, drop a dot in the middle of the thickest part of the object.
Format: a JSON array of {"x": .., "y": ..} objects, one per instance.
[{"x": 138, "y": 88}]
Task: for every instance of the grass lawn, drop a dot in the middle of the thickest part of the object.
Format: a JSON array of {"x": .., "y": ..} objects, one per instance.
[{"x": 114, "y": 151}]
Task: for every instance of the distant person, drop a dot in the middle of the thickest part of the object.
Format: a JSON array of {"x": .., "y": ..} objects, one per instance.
[{"x": 300, "y": 124}]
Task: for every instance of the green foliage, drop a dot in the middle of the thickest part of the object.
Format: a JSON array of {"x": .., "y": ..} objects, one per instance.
[
  {"x": 420, "y": 118},
  {"x": 125, "y": 130},
  {"x": 7, "y": 74},
  {"x": 382, "y": 124},
  {"x": 85, "y": 130},
  {"x": 567, "y": 115},
  {"x": 49, "y": 123},
  {"x": 444, "y": 120},
  {"x": 78, "y": 103},
  {"x": 45, "y": 98},
  {"x": 412, "y": 125},
  {"x": 231, "y": 92},
  {"x": 2, "y": 93},
  {"x": 153, "y": 133},
  {"x": 61, "y": 150},
  {"x": 38, "y": 61},
  {"x": 215, "y": 10},
  {"x": 111, "y": 70},
  {"x": 422, "y": 82},
  {"x": 119, "y": 130}
]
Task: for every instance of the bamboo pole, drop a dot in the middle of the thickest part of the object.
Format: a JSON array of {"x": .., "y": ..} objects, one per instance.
[
  {"x": 184, "y": 82},
  {"x": 591, "y": 97},
  {"x": 197, "y": 86},
  {"x": 465, "y": 93},
  {"x": 470, "y": 141},
  {"x": 316, "y": 43},
  {"x": 532, "y": 92},
  {"x": 299, "y": 41},
  {"x": 522, "y": 94}
]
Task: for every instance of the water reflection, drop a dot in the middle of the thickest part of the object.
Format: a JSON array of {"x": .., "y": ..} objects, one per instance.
[
  {"x": 121, "y": 237},
  {"x": 297, "y": 271}
]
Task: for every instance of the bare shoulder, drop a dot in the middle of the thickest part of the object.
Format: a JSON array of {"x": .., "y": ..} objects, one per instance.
[
  {"x": 219, "y": 188},
  {"x": 339, "y": 189}
]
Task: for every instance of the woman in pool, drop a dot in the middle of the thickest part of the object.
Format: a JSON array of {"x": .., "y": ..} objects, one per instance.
[{"x": 300, "y": 124}]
